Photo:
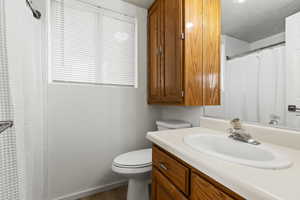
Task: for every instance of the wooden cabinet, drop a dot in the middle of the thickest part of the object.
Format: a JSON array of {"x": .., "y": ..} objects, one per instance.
[
  {"x": 184, "y": 52},
  {"x": 154, "y": 48},
  {"x": 172, "y": 179},
  {"x": 165, "y": 52},
  {"x": 163, "y": 189},
  {"x": 171, "y": 168},
  {"x": 203, "y": 190}
]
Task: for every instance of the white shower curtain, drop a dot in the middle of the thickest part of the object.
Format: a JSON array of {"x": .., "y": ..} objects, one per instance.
[
  {"x": 256, "y": 86},
  {"x": 242, "y": 88},
  {"x": 9, "y": 173},
  {"x": 27, "y": 83},
  {"x": 272, "y": 85}
]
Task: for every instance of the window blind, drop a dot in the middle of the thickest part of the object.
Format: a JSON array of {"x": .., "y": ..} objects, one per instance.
[{"x": 92, "y": 44}]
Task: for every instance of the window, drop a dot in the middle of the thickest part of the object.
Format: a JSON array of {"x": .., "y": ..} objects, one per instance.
[{"x": 92, "y": 45}]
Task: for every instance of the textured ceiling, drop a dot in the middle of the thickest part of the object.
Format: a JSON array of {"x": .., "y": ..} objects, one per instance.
[
  {"x": 256, "y": 19},
  {"x": 252, "y": 20}
]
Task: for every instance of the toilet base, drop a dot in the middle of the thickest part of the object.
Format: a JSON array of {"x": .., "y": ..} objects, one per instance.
[{"x": 138, "y": 189}]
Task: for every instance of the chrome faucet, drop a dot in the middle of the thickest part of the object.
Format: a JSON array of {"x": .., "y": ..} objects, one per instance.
[
  {"x": 274, "y": 120},
  {"x": 239, "y": 134}
]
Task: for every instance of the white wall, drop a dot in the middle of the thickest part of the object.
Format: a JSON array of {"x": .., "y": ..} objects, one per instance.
[
  {"x": 268, "y": 41},
  {"x": 89, "y": 125},
  {"x": 234, "y": 46},
  {"x": 189, "y": 114}
]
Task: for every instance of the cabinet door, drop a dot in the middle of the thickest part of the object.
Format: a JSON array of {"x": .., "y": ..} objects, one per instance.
[
  {"x": 211, "y": 52},
  {"x": 172, "y": 70},
  {"x": 163, "y": 189},
  {"x": 193, "y": 54},
  {"x": 154, "y": 50},
  {"x": 203, "y": 190}
]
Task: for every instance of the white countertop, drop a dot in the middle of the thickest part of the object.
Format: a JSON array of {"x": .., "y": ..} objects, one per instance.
[{"x": 251, "y": 183}]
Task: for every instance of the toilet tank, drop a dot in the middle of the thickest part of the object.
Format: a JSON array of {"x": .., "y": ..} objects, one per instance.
[{"x": 172, "y": 124}]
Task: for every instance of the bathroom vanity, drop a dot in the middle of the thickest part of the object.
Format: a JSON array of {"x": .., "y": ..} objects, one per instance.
[
  {"x": 173, "y": 179},
  {"x": 183, "y": 173}
]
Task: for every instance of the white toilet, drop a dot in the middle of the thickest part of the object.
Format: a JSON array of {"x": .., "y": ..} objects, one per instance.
[{"x": 137, "y": 165}]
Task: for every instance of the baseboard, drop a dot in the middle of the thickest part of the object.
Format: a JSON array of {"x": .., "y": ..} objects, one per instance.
[{"x": 91, "y": 191}]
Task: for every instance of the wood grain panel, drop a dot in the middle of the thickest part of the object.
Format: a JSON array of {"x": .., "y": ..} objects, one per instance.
[
  {"x": 203, "y": 190},
  {"x": 193, "y": 54},
  {"x": 172, "y": 51},
  {"x": 172, "y": 169},
  {"x": 211, "y": 52},
  {"x": 191, "y": 65},
  {"x": 154, "y": 61},
  {"x": 216, "y": 184},
  {"x": 163, "y": 189}
]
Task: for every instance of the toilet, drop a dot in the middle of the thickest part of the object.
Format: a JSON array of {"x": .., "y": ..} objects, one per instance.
[{"x": 137, "y": 165}]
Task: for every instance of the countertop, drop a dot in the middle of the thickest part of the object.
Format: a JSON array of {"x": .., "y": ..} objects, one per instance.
[{"x": 251, "y": 183}]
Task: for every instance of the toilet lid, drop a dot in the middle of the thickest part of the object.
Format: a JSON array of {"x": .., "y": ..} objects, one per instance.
[{"x": 140, "y": 158}]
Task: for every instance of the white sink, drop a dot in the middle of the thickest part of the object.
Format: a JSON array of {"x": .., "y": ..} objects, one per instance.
[{"x": 223, "y": 147}]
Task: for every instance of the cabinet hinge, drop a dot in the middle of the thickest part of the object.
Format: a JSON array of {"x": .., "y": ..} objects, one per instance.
[
  {"x": 182, "y": 36},
  {"x": 159, "y": 50}
]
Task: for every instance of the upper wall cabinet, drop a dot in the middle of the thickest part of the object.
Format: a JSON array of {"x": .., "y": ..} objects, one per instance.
[{"x": 184, "y": 52}]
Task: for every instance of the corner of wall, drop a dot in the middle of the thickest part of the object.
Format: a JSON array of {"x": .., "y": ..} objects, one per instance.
[{"x": 189, "y": 114}]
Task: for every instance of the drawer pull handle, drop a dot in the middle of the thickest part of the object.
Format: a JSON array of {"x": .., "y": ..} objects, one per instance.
[{"x": 163, "y": 166}]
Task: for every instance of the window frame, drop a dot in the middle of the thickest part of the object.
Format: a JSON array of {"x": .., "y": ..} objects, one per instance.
[{"x": 102, "y": 11}]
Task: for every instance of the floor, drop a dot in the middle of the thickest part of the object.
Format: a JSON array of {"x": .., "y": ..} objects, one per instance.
[{"x": 116, "y": 194}]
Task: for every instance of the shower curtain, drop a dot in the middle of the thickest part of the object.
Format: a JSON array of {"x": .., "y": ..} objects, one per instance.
[
  {"x": 242, "y": 88},
  {"x": 9, "y": 177},
  {"x": 255, "y": 86},
  {"x": 26, "y": 57},
  {"x": 272, "y": 85}
]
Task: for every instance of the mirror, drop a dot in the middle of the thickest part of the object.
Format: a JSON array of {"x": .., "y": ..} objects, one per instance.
[{"x": 260, "y": 65}]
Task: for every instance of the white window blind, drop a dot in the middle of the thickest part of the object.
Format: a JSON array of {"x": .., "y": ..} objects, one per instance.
[{"x": 92, "y": 45}]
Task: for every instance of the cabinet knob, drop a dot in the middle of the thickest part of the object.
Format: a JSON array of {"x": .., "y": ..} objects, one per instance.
[{"x": 163, "y": 166}]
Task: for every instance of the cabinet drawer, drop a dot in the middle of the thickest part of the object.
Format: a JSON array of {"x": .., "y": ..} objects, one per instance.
[
  {"x": 162, "y": 188},
  {"x": 201, "y": 189},
  {"x": 176, "y": 172}
]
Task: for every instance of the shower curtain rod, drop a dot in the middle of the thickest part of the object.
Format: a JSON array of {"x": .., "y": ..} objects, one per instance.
[
  {"x": 253, "y": 51},
  {"x": 36, "y": 14}
]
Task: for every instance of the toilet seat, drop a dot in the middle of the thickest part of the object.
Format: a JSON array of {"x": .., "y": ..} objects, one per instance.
[
  {"x": 132, "y": 166},
  {"x": 133, "y": 162},
  {"x": 134, "y": 159}
]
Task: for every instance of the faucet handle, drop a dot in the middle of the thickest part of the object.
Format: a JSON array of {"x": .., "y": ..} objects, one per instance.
[{"x": 236, "y": 124}]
